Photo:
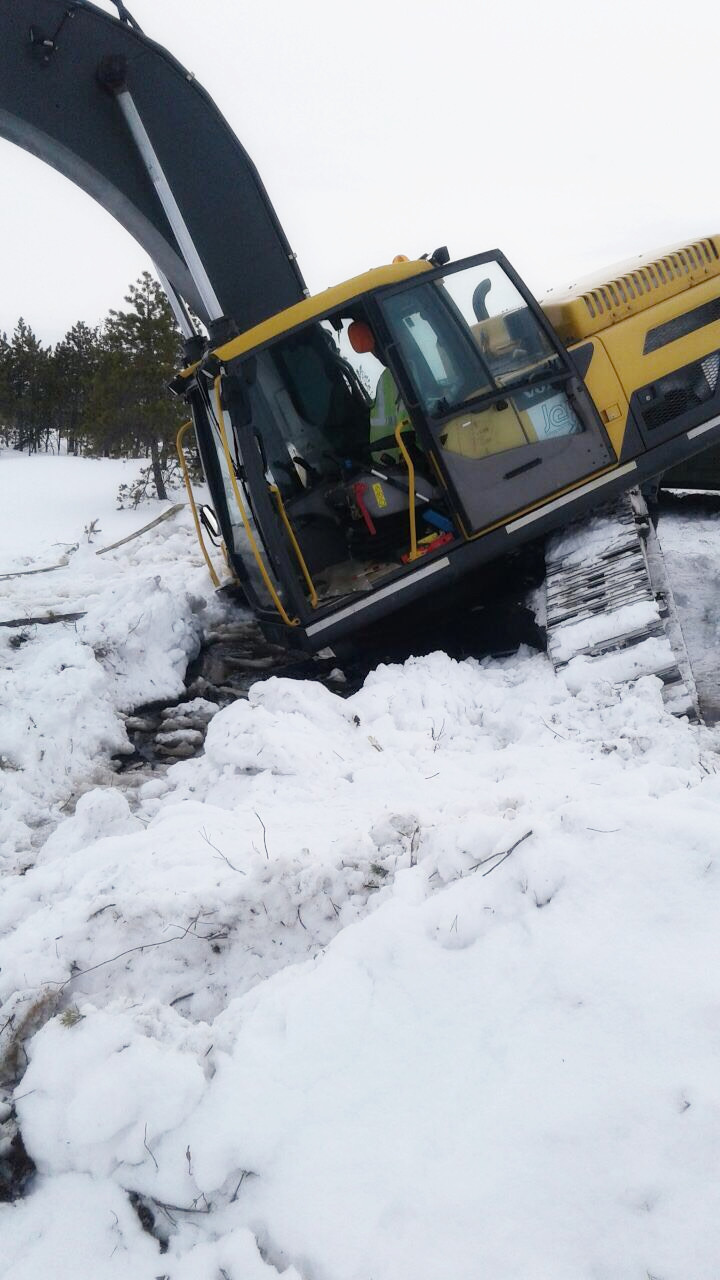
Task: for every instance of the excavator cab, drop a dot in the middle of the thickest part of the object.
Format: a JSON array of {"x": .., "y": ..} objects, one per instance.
[{"x": 329, "y": 512}]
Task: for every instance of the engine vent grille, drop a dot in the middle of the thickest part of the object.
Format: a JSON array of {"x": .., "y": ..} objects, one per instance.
[
  {"x": 688, "y": 394},
  {"x": 680, "y": 266},
  {"x": 595, "y": 304}
]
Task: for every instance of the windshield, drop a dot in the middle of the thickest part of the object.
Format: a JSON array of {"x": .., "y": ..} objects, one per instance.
[{"x": 466, "y": 336}]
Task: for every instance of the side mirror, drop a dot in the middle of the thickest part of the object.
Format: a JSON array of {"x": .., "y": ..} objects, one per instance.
[{"x": 210, "y": 524}]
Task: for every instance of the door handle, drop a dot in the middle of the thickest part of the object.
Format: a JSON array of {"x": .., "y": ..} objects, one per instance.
[{"x": 526, "y": 466}]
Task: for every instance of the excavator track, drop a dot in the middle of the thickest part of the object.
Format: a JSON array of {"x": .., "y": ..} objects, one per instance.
[{"x": 610, "y": 603}]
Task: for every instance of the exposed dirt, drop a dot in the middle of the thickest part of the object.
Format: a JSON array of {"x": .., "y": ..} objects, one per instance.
[
  {"x": 234, "y": 655},
  {"x": 16, "y": 1167},
  {"x": 693, "y": 569}
]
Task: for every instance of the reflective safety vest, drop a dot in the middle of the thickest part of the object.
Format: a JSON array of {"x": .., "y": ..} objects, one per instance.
[{"x": 387, "y": 413}]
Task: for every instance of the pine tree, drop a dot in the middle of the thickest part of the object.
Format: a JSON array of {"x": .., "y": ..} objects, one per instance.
[
  {"x": 140, "y": 350},
  {"x": 104, "y": 390},
  {"x": 27, "y": 384},
  {"x": 75, "y": 363},
  {"x": 6, "y": 400}
]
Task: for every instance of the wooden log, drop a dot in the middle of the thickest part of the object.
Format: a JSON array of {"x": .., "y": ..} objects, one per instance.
[
  {"x": 146, "y": 527},
  {"x": 44, "y": 620},
  {"x": 25, "y": 573}
]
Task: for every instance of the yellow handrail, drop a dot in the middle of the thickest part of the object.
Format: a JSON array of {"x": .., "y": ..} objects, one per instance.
[
  {"x": 290, "y": 622},
  {"x": 413, "y": 555},
  {"x": 188, "y": 485},
  {"x": 295, "y": 545}
]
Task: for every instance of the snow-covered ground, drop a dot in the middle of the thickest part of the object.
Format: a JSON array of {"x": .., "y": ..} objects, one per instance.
[{"x": 419, "y": 983}]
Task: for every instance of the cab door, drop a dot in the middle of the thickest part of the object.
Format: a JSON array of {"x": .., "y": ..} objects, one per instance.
[{"x": 508, "y": 420}]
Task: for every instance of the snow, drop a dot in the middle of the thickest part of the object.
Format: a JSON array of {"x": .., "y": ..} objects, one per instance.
[
  {"x": 414, "y": 983},
  {"x": 66, "y": 494},
  {"x": 571, "y": 637},
  {"x": 691, "y": 543},
  {"x": 141, "y": 605}
]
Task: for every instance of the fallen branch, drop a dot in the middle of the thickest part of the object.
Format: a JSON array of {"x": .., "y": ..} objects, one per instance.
[
  {"x": 497, "y": 858},
  {"x": 182, "y": 1208},
  {"x": 144, "y": 946},
  {"x": 172, "y": 511},
  {"x": 49, "y": 568},
  {"x": 246, "y": 1173},
  {"x": 507, "y": 853},
  {"x": 555, "y": 734},
  {"x": 145, "y": 1144},
  {"x": 42, "y": 621},
  {"x": 204, "y": 836},
  {"x": 264, "y": 831}
]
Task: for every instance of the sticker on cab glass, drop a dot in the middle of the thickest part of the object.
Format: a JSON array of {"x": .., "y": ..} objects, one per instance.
[{"x": 552, "y": 417}]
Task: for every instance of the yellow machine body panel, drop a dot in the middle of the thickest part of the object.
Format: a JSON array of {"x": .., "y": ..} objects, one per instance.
[
  {"x": 630, "y": 342},
  {"x": 652, "y": 319},
  {"x": 608, "y": 394},
  {"x": 597, "y": 304}
]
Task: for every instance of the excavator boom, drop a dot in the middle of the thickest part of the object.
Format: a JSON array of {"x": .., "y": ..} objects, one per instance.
[{"x": 53, "y": 104}]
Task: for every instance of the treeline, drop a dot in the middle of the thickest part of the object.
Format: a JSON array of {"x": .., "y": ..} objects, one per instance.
[{"x": 100, "y": 392}]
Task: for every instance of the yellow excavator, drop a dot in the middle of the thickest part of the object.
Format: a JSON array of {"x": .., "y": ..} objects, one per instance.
[
  {"x": 511, "y": 418},
  {"x": 383, "y": 445}
]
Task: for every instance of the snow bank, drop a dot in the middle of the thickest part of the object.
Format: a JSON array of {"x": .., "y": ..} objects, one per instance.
[
  {"x": 48, "y": 502},
  {"x": 62, "y": 685},
  {"x": 413, "y": 984},
  {"x": 483, "y": 1064}
]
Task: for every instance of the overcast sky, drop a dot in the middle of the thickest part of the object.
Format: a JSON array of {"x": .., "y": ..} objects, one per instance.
[{"x": 568, "y": 135}]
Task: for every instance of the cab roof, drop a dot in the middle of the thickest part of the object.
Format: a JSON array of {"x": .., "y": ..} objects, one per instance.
[{"x": 319, "y": 304}]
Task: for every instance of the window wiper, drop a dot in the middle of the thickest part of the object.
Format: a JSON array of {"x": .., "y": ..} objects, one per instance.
[
  {"x": 532, "y": 374},
  {"x": 444, "y": 407}
]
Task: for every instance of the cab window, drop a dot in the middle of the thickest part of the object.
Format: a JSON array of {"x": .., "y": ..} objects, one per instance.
[
  {"x": 465, "y": 340},
  {"x": 466, "y": 336}
]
